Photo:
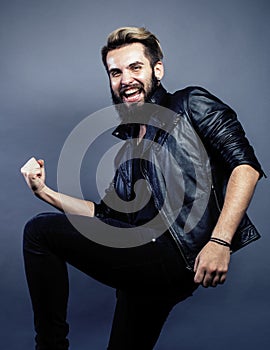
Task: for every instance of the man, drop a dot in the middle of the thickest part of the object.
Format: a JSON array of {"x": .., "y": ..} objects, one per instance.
[{"x": 149, "y": 278}]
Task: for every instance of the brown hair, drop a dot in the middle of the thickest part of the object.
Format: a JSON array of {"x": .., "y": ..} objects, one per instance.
[{"x": 128, "y": 35}]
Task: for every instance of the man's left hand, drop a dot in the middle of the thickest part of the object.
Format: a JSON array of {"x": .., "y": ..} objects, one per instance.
[{"x": 211, "y": 265}]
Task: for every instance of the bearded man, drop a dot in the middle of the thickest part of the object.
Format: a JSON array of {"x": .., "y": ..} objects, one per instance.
[{"x": 179, "y": 254}]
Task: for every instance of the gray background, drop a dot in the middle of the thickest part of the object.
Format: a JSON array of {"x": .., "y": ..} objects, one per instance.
[{"x": 51, "y": 77}]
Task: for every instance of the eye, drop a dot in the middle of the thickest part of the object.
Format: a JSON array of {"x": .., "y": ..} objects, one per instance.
[
  {"x": 115, "y": 73},
  {"x": 136, "y": 68}
]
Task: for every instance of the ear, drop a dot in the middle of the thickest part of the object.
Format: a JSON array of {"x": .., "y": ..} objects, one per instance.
[{"x": 159, "y": 70}]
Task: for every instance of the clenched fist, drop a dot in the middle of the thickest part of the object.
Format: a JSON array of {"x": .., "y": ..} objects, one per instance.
[{"x": 34, "y": 174}]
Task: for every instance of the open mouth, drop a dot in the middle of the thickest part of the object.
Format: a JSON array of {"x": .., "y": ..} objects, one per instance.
[{"x": 132, "y": 94}]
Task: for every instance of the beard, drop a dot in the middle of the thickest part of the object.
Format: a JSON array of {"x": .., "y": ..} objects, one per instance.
[{"x": 128, "y": 112}]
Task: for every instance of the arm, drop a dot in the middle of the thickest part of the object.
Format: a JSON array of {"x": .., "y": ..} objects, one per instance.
[
  {"x": 212, "y": 262},
  {"x": 35, "y": 179},
  {"x": 65, "y": 203}
]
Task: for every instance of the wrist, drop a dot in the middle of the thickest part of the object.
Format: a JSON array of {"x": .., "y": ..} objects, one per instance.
[
  {"x": 220, "y": 241},
  {"x": 225, "y": 234},
  {"x": 42, "y": 190}
]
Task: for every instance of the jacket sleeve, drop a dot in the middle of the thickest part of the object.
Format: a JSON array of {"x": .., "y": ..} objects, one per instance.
[
  {"x": 220, "y": 130},
  {"x": 102, "y": 210}
]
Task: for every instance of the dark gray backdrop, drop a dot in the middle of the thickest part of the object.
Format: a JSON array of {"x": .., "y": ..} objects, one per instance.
[{"x": 51, "y": 77}]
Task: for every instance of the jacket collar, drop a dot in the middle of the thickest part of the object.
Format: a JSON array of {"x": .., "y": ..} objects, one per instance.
[{"x": 158, "y": 95}]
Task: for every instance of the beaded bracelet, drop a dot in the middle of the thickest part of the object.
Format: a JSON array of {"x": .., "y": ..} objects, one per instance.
[{"x": 220, "y": 241}]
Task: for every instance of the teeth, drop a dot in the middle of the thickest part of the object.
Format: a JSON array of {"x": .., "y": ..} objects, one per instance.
[{"x": 131, "y": 91}]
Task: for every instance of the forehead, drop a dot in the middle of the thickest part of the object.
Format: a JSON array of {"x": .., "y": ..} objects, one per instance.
[{"x": 126, "y": 55}]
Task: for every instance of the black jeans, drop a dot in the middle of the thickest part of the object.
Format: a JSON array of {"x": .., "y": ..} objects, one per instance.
[{"x": 149, "y": 279}]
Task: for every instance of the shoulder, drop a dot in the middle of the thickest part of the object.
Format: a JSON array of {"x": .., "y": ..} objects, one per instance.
[
  {"x": 196, "y": 93},
  {"x": 199, "y": 103},
  {"x": 193, "y": 98}
]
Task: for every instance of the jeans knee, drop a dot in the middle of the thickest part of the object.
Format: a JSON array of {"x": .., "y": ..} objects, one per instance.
[{"x": 32, "y": 233}]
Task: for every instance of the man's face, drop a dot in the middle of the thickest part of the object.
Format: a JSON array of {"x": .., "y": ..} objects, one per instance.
[{"x": 132, "y": 78}]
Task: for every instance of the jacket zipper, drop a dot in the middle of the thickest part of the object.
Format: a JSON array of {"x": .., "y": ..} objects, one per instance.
[
  {"x": 164, "y": 217},
  {"x": 216, "y": 199}
]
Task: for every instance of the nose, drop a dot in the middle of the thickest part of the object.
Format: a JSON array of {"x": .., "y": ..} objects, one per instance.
[{"x": 126, "y": 77}]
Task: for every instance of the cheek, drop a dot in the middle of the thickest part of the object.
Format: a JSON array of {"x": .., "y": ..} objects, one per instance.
[
  {"x": 147, "y": 83},
  {"x": 114, "y": 85},
  {"x": 146, "y": 79}
]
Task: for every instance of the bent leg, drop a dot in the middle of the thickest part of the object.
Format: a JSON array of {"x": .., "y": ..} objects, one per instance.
[{"x": 50, "y": 241}]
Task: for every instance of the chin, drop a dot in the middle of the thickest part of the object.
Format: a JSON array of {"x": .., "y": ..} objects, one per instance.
[{"x": 134, "y": 104}]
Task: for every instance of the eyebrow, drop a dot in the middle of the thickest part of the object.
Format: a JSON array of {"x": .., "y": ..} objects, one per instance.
[
  {"x": 129, "y": 66},
  {"x": 135, "y": 63}
]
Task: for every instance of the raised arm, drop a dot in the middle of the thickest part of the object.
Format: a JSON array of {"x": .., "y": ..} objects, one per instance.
[{"x": 34, "y": 174}]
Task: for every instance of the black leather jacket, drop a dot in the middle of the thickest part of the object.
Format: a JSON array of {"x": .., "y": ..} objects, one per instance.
[{"x": 226, "y": 147}]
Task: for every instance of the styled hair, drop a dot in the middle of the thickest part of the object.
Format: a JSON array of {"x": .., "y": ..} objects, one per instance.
[{"x": 129, "y": 35}]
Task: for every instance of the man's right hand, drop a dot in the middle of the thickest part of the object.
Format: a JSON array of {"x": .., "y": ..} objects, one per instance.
[{"x": 34, "y": 174}]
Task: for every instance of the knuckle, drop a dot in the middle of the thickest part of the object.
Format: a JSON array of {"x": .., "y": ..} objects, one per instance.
[
  {"x": 212, "y": 269},
  {"x": 222, "y": 270},
  {"x": 203, "y": 265}
]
